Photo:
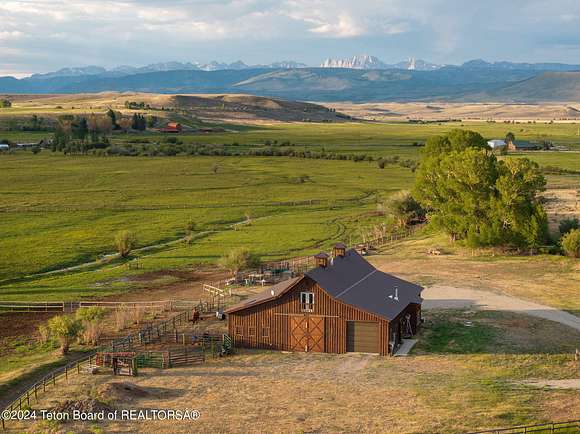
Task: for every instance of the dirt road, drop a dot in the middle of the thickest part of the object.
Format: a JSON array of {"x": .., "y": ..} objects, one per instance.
[{"x": 449, "y": 297}]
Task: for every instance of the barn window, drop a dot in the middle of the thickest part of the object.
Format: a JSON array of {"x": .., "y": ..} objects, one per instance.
[
  {"x": 265, "y": 332},
  {"x": 238, "y": 330},
  {"x": 307, "y": 301},
  {"x": 252, "y": 331}
]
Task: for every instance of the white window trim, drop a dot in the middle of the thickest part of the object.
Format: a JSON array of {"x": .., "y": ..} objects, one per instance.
[{"x": 307, "y": 301}]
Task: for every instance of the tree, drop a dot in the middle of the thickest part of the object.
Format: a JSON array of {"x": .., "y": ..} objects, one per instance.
[
  {"x": 474, "y": 197},
  {"x": 80, "y": 128},
  {"x": 125, "y": 241},
  {"x": 571, "y": 243},
  {"x": 567, "y": 225},
  {"x": 239, "y": 259},
  {"x": 113, "y": 117},
  {"x": 455, "y": 140},
  {"x": 509, "y": 138},
  {"x": 65, "y": 328},
  {"x": 138, "y": 122},
  {"x": 404, "y": 208},
  {"x": 5, "y": 103}
]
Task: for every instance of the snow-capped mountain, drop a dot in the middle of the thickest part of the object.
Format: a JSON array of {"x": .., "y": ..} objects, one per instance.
[
  {"x": 363, "y": 61},
  {"x": 366, "y": 61}
]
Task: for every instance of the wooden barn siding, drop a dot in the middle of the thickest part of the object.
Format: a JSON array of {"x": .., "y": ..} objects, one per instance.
[{"x": 275, "y": 314}]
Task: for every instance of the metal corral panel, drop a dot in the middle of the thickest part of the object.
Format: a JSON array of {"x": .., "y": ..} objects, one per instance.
[{"x": 362, "y": 337}]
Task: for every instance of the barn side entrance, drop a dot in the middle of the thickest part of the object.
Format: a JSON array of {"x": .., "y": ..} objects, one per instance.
[
  {"x": 362, "y": 337},
  {"x": 307, "y": 333}
]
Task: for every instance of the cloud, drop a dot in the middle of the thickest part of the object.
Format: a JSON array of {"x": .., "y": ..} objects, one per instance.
[
  {"x": 47, "y": 34},
  {"x": 10, "y": 35}
]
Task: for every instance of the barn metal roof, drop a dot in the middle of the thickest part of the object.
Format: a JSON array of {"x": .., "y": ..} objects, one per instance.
[
  {"x": 266, "y": 295},
  {"x": 353, "y": 280}
]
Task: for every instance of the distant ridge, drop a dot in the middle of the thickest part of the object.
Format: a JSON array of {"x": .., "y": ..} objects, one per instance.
[{"x": 358, "y": 79}]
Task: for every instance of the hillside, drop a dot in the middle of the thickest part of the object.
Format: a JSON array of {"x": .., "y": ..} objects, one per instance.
[
  {"x": 549, "y": 86},
  {"x": 461, "y": 84},
  {"x": 208, "y": 107},
  {"x": 311, "y": 84}
]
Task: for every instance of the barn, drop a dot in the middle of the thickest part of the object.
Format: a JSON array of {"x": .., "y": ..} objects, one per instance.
[
  {"x": 343, "y": 305},
  {"x": 172, "y": 127}
]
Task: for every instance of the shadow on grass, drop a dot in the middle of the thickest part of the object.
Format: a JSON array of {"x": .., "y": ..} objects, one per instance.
[{"x": 11, "y": 390}]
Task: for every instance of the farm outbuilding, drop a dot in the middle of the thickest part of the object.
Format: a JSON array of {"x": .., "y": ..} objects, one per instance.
[
  {"x": 172, "y": 127},
  {"x": 343, "y": 305}
]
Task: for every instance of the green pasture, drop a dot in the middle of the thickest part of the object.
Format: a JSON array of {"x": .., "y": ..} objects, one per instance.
[{"x": 59, "y": 211}]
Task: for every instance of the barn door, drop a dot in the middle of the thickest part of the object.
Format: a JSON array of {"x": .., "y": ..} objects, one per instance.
[
  {"x": 298, "y": 333},
  {"x": 307, "y": 333},
  {"x": 316, "y": 332}
]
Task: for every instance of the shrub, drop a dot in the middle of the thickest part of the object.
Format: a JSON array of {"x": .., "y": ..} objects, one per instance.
[
  {"x": 90, "y": 318},
  {"x": 239, "y": 259},
  {"x": 125, "y": 241},
  {"x": 44, "y": 334},
  {"x": 571, "y": 243},
  {"x": 138, "y": 314},
  {"x": 567, "y": 225},
  {"x": 122, "y": 319},
  {"x": 65, "y": 328}
]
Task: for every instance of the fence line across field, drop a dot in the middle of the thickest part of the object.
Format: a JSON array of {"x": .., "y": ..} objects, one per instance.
[
  {"x": 572, "y": 426},
  {"x": 71, "y": 306}
]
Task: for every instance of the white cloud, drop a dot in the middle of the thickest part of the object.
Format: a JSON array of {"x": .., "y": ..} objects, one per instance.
[
  {"x": 54, "y": 33},
  {"x": 10, "y": 35}
]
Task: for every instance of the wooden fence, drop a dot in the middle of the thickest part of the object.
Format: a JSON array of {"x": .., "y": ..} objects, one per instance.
[
  {"x": 570, "y": 427},
  {"x": 32, "y": 307},
  {"x": 71, "y": 306},
  {"x": 146, "y": 335}
]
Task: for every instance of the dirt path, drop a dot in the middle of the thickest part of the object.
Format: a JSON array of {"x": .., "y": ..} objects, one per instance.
[{"x": 449, "y": 297}]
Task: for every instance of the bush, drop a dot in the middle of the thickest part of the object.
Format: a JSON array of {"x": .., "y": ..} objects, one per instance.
[
  {"x": 239, "y": 259},
  {"x": 122, "y": 319},
  {"x": 567, "y": 225},
  {"x": 44, "y": 334},
  {"x": 65, "y": 328},
  {"x": 125, "y": 241},
  {"x": 571, "y": 243},
  {"x": 90, "y": 318}
]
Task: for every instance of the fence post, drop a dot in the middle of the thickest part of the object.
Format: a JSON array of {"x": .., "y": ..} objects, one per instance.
[
  {"x": 53, "y": 379},
  {"x": 66, "y": 373}
]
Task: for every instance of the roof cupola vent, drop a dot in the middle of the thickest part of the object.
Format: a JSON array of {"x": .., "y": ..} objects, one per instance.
[
  {"x": 321, "y": 259},
  {"x": 339, "y": 250}
]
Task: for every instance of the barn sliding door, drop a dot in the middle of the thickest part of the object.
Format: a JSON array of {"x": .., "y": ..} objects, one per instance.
[{"x": 307, "y": 334}]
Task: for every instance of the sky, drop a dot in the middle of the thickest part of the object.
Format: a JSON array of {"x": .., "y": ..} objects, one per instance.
[{"x": 46, "y": 35}]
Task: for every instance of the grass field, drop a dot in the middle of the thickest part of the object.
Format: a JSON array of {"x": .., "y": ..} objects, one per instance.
[{"x": 59, "y": 211}]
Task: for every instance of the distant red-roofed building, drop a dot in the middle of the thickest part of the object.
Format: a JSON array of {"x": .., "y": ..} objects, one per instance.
[{"x": 172, "y": 127}]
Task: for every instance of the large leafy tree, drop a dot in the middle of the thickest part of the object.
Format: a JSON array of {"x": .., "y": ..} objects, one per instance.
[{"x": 474, "y": 197}]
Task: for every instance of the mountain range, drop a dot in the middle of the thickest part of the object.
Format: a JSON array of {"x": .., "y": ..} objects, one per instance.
[
  {"x": 358, "y": 79},
  {"x": 366, "y": 61},
  {"x": 124, "y": 70}
]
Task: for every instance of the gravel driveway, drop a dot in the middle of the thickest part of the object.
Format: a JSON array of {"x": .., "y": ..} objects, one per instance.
[{"x": 448, "y": 297}]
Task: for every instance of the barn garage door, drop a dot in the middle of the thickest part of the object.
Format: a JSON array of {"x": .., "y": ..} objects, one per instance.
[{"x": 362, "y": 337}]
